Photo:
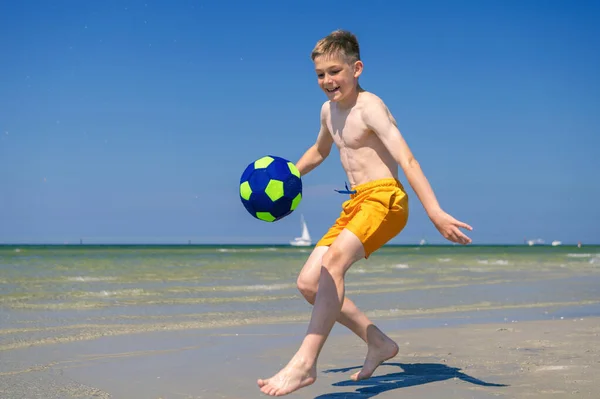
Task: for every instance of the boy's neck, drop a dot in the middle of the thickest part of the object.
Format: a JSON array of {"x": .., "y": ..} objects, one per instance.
[{"x": 351, "y": 100}]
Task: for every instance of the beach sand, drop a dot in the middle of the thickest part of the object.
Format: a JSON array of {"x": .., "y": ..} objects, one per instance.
[{"x": 532, "y": 359}]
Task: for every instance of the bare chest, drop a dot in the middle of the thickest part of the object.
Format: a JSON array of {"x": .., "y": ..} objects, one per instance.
[{"x": 348, "y": 130}]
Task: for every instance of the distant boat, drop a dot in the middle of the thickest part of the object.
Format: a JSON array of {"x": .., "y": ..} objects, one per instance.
[
  {"x": 423, "y": 242},
  {"x": 556, "y": 243},
  {"x": 304, "y": 240}
]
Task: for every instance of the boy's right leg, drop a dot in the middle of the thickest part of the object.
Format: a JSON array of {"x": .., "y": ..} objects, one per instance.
[{"x": 380, "y": 346}]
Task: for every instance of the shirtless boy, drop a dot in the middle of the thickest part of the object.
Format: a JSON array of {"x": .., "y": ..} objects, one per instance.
[{"x": 371, "y": 148}]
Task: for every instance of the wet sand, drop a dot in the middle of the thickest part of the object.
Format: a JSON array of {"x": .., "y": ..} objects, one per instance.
[{"x": 528, "y": 359}]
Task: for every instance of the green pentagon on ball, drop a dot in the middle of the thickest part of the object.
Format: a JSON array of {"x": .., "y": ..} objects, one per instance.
[
  {"x": 296, "y": 201},
  {"x": 293, "y": 169},
  {"x": 274, "y": 189},
  {"x": 245, "y": 190},
  {"x": 266, "y": 216},
  {"x": 263, "y": 162}
]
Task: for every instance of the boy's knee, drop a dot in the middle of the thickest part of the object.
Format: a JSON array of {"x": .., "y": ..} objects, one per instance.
[
  {"x": 307, "y": 288},
  {"x": 334, "y": 261}
]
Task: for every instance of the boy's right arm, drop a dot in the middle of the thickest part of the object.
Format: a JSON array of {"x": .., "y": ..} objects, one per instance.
[
  {"x": 379, "y": 120},
  {"x": 318, "y": 151}
]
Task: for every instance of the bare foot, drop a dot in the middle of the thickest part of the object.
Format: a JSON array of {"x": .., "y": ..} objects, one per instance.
[
  {"x": 382, "y": 349},
  {"x": 291, "y": 378}
]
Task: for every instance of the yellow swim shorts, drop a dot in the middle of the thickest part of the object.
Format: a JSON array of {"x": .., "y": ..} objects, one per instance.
[{"x": 376, "y": 213}]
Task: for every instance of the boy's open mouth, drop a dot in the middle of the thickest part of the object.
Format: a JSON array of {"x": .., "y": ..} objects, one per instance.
[{"x": 332, "y": 90}]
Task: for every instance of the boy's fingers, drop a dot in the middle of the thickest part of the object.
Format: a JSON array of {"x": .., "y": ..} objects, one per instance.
[
  {"x": 465, "y": 226},
  {"x": 454, "y": 237},
  {"x": 462, "y": 237},
  {"x": 457, "y": 236}
]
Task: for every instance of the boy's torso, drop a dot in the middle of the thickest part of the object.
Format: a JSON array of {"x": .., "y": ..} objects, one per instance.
[{"x": 363, "y": 155}]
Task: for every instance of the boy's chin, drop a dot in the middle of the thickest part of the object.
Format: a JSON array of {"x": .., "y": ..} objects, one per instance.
[{"x": 334, "y": 98}]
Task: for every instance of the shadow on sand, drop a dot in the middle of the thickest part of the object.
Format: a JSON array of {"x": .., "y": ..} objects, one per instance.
[{"x": 412, "y": 374}]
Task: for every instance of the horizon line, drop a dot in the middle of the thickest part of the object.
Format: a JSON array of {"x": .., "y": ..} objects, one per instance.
[{"x": 71, "y": 244}]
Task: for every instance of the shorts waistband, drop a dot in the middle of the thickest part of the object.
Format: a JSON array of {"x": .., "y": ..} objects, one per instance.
[{"x": 390, "y": 182}]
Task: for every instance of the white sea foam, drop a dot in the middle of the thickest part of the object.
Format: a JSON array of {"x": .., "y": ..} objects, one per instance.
[
  {"x": 492, "y": 262},
  {"x": 266, "y": 287},
  {"x": 130, "y": 292},
  {"x": 580, "y": 255},
  {"x": 89, "y": 279},
  {"x": 401, "y": 266},
  {"x": 444, "y": 259}
]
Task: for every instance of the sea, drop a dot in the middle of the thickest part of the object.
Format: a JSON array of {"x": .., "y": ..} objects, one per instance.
[{"x": 58, "y": 294}]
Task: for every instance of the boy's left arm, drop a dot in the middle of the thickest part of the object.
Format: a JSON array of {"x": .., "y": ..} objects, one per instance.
[{"x": 377, "y": 118}]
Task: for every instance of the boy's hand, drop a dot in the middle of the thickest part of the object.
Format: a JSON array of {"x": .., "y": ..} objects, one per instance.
[{"x": 449, "y": 227}]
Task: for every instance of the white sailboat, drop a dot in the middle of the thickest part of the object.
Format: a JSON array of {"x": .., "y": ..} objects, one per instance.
[{"x": 304, "y": 240}]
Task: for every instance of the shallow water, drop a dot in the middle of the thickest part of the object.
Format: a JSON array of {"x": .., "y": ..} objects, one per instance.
[{"x": 51, "y": 294}]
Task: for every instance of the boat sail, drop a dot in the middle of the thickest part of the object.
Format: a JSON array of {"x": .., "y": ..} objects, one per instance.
[{"x": 304, "y": 240}]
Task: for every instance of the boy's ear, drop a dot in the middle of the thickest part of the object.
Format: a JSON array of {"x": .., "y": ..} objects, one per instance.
[{"x": 358, "y": 68}]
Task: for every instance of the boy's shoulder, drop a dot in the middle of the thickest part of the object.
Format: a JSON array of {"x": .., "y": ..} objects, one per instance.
[
  {"x": 325, "y": 109},
  {"x": 367, "y": 97}
]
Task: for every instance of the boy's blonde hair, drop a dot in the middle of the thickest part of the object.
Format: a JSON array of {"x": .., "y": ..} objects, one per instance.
[{"x": 338, "y": 43}]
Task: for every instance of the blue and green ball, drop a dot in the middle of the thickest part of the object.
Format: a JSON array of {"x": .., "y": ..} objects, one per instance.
[{"x": 271, "y": 188}]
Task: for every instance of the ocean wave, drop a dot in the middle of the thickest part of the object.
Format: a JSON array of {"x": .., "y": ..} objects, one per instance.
[
  {"x": 90, "y": 279},
  {"x": 89, "y": 304},
  {"x": 90, "y": 331},
  {"x": 394, "y": 312},
  {"x": 383, "y": 282},
  {"x": 502, "y": 262},
  {"x": 134, "y": 292},
  {"x": 266, "y": 287},
  {"x": 232, "y": 288}
]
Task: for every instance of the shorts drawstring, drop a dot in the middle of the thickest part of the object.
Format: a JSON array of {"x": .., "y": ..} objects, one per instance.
[{"x": 346, "y": 191}]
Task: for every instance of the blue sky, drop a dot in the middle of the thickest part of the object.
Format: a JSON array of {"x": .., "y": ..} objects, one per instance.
[{"x": 132, "y": 121}]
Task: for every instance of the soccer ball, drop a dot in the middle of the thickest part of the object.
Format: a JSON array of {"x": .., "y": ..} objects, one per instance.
[{"x": 271, "y": 188}]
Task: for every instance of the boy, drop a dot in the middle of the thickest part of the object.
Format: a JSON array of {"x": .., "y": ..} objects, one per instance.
[{"x": 371, "y": 148}]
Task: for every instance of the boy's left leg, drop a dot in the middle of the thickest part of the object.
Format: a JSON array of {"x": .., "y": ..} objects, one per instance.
[
  {"x": 301, "y": 370},
  {"x": 380, "y": 347}
]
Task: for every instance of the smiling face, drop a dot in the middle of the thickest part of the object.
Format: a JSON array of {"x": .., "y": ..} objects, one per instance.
[{"x": 338, "y": 78}]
